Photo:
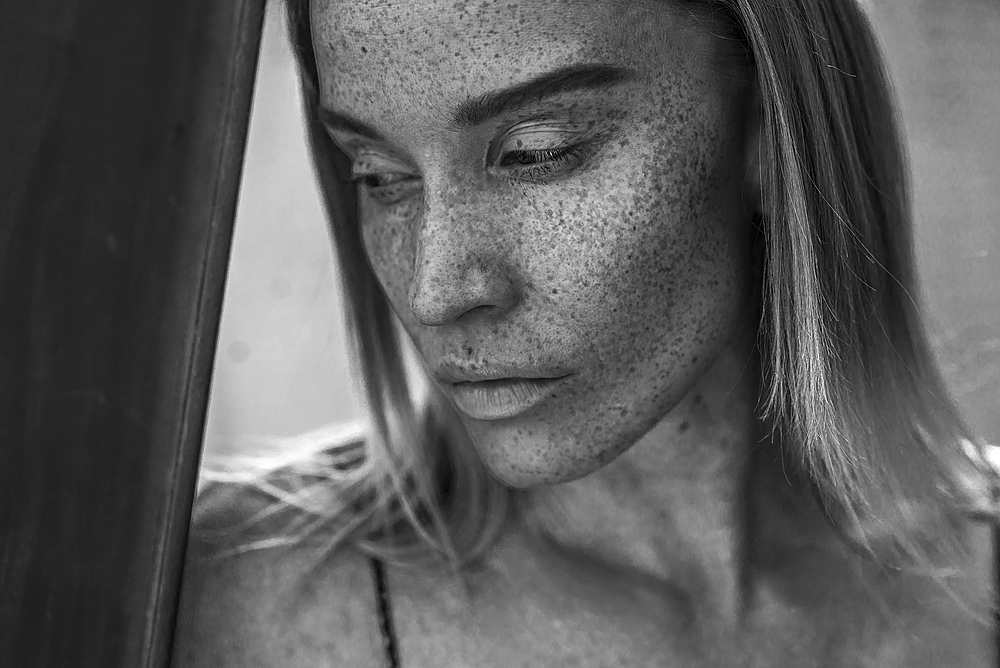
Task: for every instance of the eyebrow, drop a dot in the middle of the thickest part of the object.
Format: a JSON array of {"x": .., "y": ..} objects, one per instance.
[
  {"x": 563, "y": 80},
  {"x": 490, "y": 105}
]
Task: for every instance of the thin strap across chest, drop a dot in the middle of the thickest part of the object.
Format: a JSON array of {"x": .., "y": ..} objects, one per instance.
[{"x": 384, "y": 606}]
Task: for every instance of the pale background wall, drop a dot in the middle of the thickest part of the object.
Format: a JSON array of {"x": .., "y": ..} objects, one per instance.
[{"x": 281, "y": 367}]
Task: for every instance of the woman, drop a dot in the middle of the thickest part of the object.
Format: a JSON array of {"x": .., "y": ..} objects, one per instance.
[{"x": 654, "y": 258}]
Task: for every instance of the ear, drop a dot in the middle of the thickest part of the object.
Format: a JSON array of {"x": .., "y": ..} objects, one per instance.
[{"x": 752, "y": 154}]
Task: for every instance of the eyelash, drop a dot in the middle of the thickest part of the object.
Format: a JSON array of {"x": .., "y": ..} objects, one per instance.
[
  {"x": 545, "y": 161},
  {"x": 535, "y": 165},
  {"x": 370, "y": 181},
  {"x": 544, "y": 155}
]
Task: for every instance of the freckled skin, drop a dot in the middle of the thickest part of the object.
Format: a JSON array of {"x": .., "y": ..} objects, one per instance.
[
  {"x": 678, "y": 533},
  {"x": 629, "y": 271}
]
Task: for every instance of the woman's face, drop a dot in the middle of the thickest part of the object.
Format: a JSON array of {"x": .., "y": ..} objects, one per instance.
[{"x": 547, "y": 189}]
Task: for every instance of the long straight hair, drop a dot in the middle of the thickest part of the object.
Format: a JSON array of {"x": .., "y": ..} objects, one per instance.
[{"x": 851, "y": 384}]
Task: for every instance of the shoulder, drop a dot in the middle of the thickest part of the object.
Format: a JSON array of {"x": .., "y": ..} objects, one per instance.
[
  {"x": 946, "y": 621},
  {"x": 826, "y": 594},
  {"x": 289, "y": 606}
]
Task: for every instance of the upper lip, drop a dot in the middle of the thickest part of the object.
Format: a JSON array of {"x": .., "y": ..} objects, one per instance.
[{"x": 475, "y": 373}]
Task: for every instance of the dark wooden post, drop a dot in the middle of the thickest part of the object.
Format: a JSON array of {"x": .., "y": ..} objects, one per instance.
[{"x": 122, "y": 128}]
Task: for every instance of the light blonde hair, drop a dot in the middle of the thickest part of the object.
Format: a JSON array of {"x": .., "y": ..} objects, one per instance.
[{"x": 850, "y": 379}]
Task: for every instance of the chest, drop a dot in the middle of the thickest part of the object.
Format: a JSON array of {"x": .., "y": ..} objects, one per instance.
[{"x": 560, "y": 623}]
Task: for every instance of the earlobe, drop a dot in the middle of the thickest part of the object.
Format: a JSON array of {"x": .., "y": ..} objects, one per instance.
[{"x": 753, "y": 156}]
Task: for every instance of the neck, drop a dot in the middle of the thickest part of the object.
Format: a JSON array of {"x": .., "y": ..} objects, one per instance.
[{"x": 674, "y": 507}]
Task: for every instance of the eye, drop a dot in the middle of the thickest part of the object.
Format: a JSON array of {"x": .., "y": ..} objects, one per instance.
[
  {"x": 525, "y": 157},
  {"x": 377, "y": 180},
  {"x": 386, "y": 188},
  {"x": 539, "y": 164}
]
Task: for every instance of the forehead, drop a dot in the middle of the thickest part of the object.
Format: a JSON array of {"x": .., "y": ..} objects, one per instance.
[{"x": 377, "y": 57}]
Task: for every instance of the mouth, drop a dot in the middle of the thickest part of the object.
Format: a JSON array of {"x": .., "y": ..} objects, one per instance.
[{"x": 501, "y": 398}]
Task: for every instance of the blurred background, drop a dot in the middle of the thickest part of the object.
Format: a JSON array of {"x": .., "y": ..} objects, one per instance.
[{"x": 281, "y": 366}]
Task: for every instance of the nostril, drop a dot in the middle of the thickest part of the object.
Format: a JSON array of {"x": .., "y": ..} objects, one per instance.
[{"x": 440, "y": 294}]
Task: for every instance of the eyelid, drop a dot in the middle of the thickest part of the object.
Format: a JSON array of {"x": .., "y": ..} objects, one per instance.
[
  {"x": 563, "y": 134},
  {"x": 379, "y": 163},
  {"x": 346, "y": 146},
  {"x": 355, "y": 147}
]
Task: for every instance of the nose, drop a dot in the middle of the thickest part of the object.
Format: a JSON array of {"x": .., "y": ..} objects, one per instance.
[{"x": 460, "y": 265}]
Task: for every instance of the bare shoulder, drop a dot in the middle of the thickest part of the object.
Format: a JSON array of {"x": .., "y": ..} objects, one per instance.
[
  {"x": 952, "y": 625},
  {"x": 286, "y": 606},
  {"x": 969, "y": 629}
]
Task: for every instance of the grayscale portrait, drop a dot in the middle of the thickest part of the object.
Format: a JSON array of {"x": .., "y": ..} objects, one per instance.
[
  {"x": 668, "y": 340},
  {"x": 673, "y": 402}
]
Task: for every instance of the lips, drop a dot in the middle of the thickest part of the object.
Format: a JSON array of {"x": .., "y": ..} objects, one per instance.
[
  {"x": 501, "y": 398},
  {"x": 454, "y": 373}
]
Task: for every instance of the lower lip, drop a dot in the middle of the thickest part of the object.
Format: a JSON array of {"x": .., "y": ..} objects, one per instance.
[{"x": 501, "y": 399}]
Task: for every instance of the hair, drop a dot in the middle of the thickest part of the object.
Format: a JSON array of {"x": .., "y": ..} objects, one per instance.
[{"x": 850, "y": 381}]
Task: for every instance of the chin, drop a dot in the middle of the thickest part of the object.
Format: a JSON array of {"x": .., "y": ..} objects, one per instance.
[{"x": 521, "y": 458}]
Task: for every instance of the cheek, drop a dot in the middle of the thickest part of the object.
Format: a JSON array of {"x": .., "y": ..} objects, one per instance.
[
  {"x": 389, "y": 243},
  {"x": 657, "y": 250},
  {"x": 689, "y": 249}
]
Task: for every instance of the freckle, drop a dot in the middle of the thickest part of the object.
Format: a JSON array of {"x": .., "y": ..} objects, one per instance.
[{"x": 685, "y": 425}]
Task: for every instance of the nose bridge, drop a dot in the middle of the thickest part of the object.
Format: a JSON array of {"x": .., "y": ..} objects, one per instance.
[{"x": 461, "y": 261}]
